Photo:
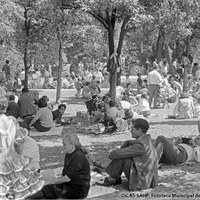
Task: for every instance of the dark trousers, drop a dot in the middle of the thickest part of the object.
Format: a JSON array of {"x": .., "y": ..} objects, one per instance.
[
  {"x": 62, "y": 191},
  {"x": 168, "y": 152},
  {"x": 37, "y": 125},
  {"x": 117, "y": 166}
]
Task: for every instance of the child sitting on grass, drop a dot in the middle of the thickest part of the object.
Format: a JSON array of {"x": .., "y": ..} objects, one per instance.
[
  {"x": 75, "y": 180},
  {"x": 13, "y": 108}
]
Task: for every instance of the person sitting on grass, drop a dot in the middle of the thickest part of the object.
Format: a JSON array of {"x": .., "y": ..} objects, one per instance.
[
  {"x": 57, "y": 115},
  {"x": 75, "y": 180},
  {"x": 13, "y": 108},
  {"x": 111, "y": 116},
  {"x": 27, "y": 147},
  {"x": 43, "y": 120},
  {"x": 136, "y": 158},
  {"x": 143, "y": 106},
  {"x": 86, "y": 93},
  {"x": 184, "y": 150}
]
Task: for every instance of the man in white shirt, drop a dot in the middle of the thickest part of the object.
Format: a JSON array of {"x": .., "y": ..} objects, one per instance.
[
  {"x": 98, "y": 75},
  {"x": 154, "y": 81}
]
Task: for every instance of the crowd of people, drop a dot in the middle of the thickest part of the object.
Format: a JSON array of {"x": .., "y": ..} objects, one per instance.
[{"x": 139, "y": 158}]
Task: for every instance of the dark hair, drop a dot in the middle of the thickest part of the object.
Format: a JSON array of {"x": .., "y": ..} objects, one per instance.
[
  {"x": 142, "y": 124},
  {"x": 94, "y": 96},
  {"x": 45, "y": 97},
  {"x": 11, "y": 97},
  {"x": 25, "y": 90},
  {"x": 112, "y": 103},
  {"x": 195, "y": 64},
  {"x": 87, "y": 83},
  {"x": 62, "y": 105},
  {"x": 42, "y": 102},
  {"x": 139, "y": 74},
  {"x": 98, "y": 82},
  {"x": 7, "y": 61}
]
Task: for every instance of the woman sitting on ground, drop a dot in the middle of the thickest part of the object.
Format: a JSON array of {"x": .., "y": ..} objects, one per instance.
[
  {"x": 75, "y": 180},
  {"x": 184, "y": 109},
  {"x": 143, "y": 107},
  {"x": 43, "y": 120}
]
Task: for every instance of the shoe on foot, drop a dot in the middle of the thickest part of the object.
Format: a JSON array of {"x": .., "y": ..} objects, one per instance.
[{"x": 108, "y": 181}]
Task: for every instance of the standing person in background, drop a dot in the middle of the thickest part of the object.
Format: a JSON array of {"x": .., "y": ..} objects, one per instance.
[
  {"x": 22, "y": 77},
  {"x": 46, "y": 78},
  {"x": 139, "y": 82},
  {"x": 127, "y": 80},
  {"x": 154, "y": 81},
  {"x": 98, "y": 75},
  {"x": 194, "y": 69},
  {"x": 6, "y": 70},
  {"x": 78, "y": 86}
]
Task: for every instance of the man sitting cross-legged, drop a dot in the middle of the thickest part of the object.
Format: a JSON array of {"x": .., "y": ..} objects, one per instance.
[
  {"x": 136, "y": 158},
  {"x": 184, "y": 150}
]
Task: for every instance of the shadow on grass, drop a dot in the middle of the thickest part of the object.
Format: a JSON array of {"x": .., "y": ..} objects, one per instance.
[
  {"x": 74, "y": 100},
  {"x": 177, "y": 122}
]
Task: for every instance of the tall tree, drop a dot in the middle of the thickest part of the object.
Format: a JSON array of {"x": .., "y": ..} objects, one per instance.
[{"x": 117, "y": 18}]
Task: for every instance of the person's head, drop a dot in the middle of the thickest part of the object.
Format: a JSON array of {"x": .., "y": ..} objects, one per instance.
[
  {"x": 144, "y": 95},
  {"x": 112, "y": 103},
  {"x": 7, "y": 61},
  {"x": 87, "y": 83},
  {"x": 139, "y": 75},
  {"x": 98, "y": 82},
  {"x": 62, "y": 108},
  {"x": 197, "y": 140},
  {"x": 139, "y": 127},
  {"x": 107, "y": 98},
  {"x": 70, "y": 143},
  {"x": 11, "y": 98},
  {"x": 95, "y": 97},
  {"x": 127, "y": 76},
  {"x": 45, "y": 97},
  {"x": 128, "y": 85},
  {"x": 42, "y": 102},
  {"x": 25, "y": 90},
  {"x": 93, "y": 77},
  {"x": 195, "y": 64}
]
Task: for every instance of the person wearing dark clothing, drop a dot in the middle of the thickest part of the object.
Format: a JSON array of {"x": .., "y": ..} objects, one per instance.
[
  {"x": 194, "y": 69},
  {"x": 75, "y": 180},
  {"x": 6, "y": 69},
  {"x": 57, "y": 115},
  {"x": 26, "y": 104},
  {"x": 13, "y": 108}
]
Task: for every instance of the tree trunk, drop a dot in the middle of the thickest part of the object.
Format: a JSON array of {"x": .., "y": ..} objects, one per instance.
[
  {"x": 26, "y": 64},
  {"x": 160, "y": 44},
  {"x": 167, "y": 54},
  {"x": 113, "y": 81},
  {"x": 59, "y": 77}
]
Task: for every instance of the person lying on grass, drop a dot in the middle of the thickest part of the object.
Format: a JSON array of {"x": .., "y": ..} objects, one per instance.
[
  {"x": 136, "y": 158},
  {"x": 75, "y": 180},
  {"x": 184, "y": 150}
]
